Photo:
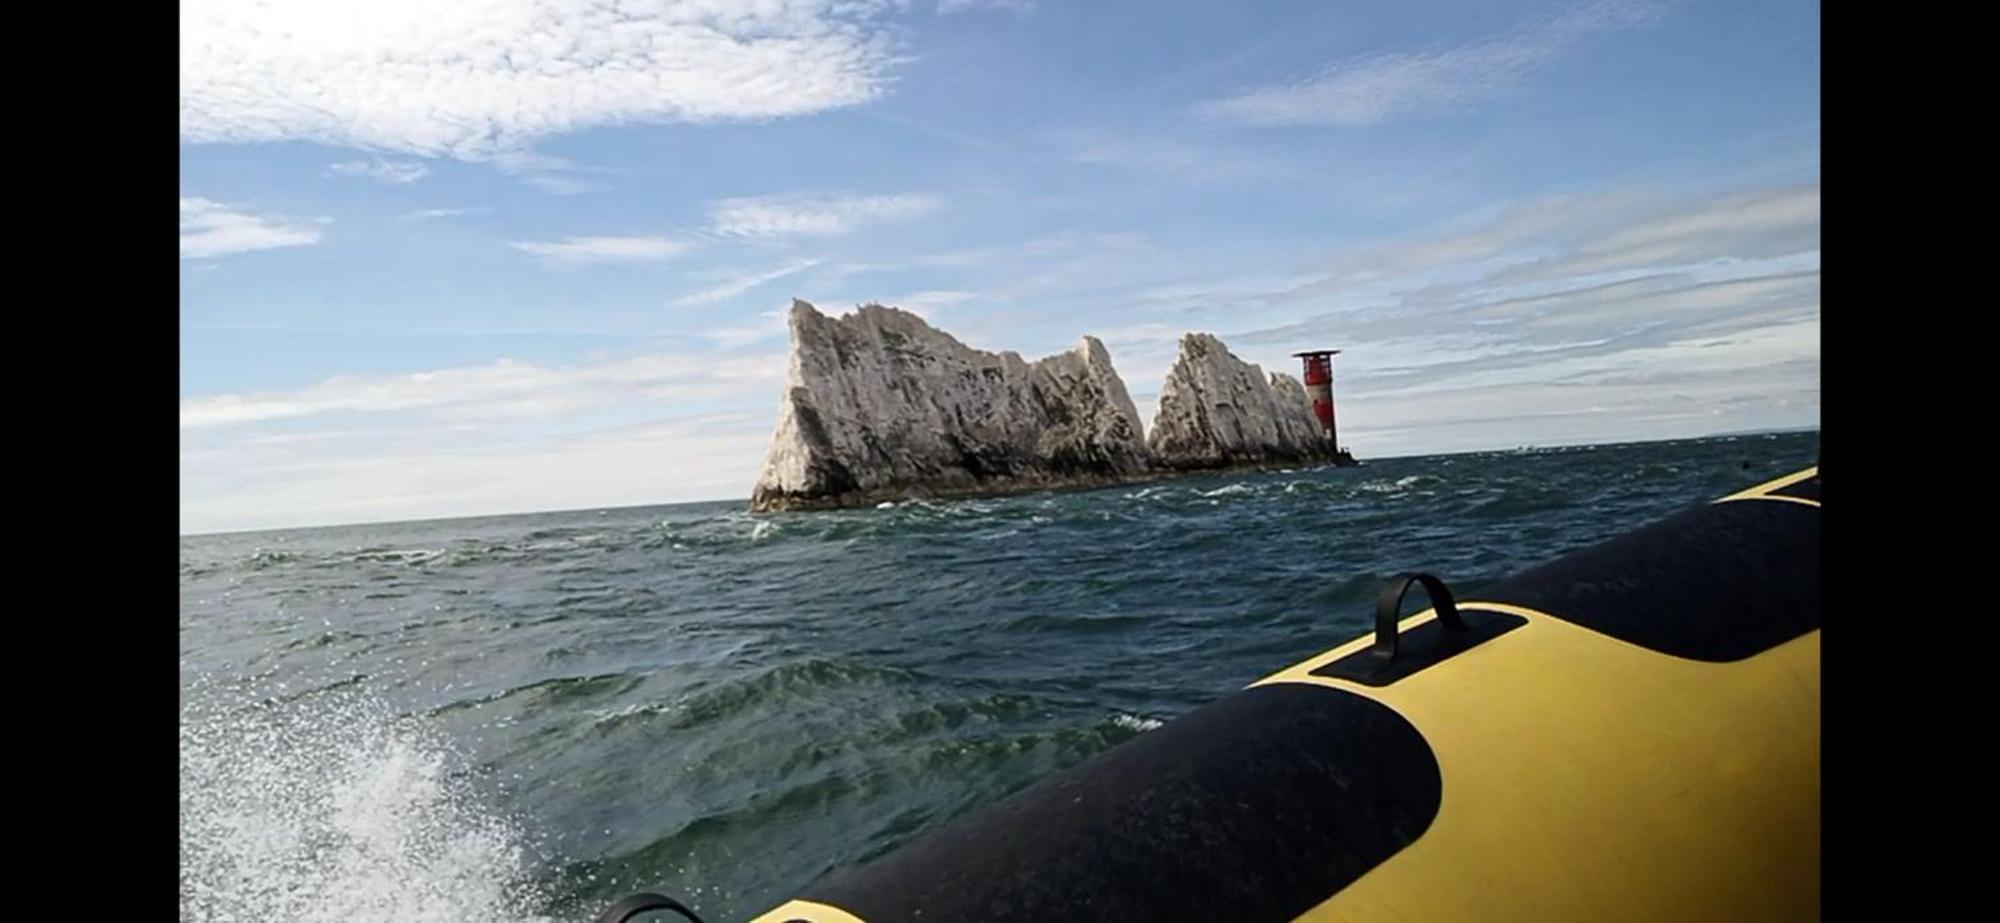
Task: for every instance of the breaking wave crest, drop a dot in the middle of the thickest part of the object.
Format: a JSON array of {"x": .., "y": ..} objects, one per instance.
[{"x": 330, "y": 808}]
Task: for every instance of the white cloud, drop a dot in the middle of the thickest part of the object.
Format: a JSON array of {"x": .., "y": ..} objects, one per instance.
[
  {"x": 1176, "y": 157},
  {"x": 1378, "y": 87},
  {"x": 949, "y": 7},
  {"x": 503, "y": 436},
  {"x": 1576, "y": 319},
  {"x": 393, "y": 172},
  {"x": 503, "y": 390},
  {"x": 559, "y": 184},
  {"x": 555, "y": 175},
  {"x": 1605, "y": 315},
  {"x": 583, "y": 251},
  {"x": 767, "y": 325},
  {"x": 474, "y": 79},
  {"x": 1095, "y": 245},
  {"x": 210, "y": 229},
  {"x": 1578, "y": 235},
  {"x": 1650, "y": 301},
  {"x": 813, "y": 216},
  {"x": 421, "y": 475},
  {"x": 1759, "y": 224},
  {"x": 1752, "y": 367},
  {"x": 926, "y": 304},
  {"x": 774, "y": 324},
  {"x": 1505, "y": 232},
  {"x": 731, "y": 288},
  {"x": 432, "y": 214}
]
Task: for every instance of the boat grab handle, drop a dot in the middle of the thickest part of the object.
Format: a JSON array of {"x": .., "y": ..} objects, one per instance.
[
  {"x": 630, "y": 907},
  {"x": 1391, "y": 602}
]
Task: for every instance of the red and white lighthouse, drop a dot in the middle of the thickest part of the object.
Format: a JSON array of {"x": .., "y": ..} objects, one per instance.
[{"x": 1319, "y": 387}]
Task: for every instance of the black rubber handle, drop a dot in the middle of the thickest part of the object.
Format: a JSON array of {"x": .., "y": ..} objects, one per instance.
[
  {"x": 1391, "y": 602},
  {"x": 630, "y": 907}
]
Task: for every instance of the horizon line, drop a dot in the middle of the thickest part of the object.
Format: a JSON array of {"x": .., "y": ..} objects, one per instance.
[{"x": 745, "y": 499}]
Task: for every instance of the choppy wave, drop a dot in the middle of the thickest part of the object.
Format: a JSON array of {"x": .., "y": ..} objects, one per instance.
[
  {"x": 332, "y": 809},
  {"x": 522, "y": 717}
]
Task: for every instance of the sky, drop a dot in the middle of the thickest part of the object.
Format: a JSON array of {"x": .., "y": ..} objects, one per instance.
[{"x": 464, "y": 257}]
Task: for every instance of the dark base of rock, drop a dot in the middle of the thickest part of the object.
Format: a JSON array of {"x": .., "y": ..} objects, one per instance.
[
  {"x": 1254, "y": 461},
  {"x": 772, "y": 502},
  {"x": 778, "y": 503}
]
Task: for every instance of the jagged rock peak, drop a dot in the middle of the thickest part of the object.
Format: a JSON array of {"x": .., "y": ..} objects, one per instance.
[
  {"x": 1218, "y": 411},
  {"x": 880, "y": 405}
]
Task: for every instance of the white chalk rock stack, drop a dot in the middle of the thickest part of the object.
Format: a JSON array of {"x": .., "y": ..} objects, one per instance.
[
  {"x": 879, "y": 405},
  {"x": 1217, "y": 411}
]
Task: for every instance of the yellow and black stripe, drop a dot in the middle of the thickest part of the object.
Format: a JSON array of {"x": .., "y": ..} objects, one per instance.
[{"x": 1629, "y": 733}]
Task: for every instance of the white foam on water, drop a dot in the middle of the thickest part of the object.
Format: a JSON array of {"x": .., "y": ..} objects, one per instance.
[
  {"x": 400, "y": 555},
  {"x": 330, "y": 808},
  {"x": 603, "y": 716},
  {"x": 1398, "y": 486},
  {"x": 1135, "y": 722}
]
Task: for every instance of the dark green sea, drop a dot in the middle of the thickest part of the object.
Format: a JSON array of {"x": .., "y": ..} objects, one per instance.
[{"x": 523, "y": 717}]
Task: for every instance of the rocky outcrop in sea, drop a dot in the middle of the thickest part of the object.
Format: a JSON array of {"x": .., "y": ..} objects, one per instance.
[
  {"x": 1217, "y": 411},
  {"x": 879, "y": 405}
]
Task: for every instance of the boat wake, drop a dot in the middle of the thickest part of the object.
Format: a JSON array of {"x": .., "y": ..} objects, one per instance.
[{"x": 331, "y": 808}]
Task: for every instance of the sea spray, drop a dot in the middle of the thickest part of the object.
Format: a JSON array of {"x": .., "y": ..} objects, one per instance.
[{"x": 328, "y": 807}]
